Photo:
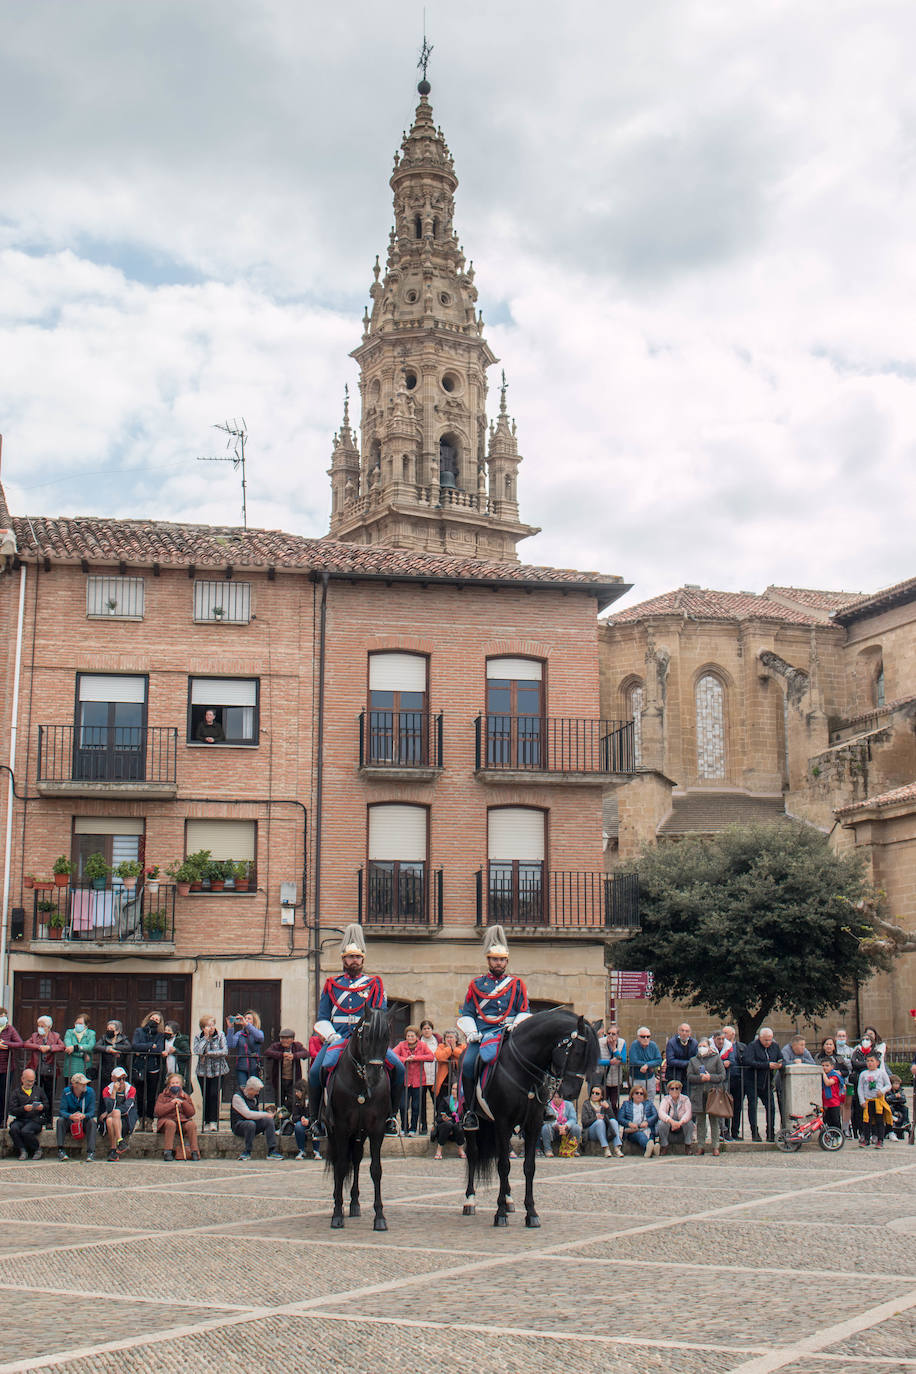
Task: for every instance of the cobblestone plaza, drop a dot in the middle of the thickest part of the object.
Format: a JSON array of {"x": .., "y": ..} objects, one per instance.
[{"x": 753, "y": 1262}]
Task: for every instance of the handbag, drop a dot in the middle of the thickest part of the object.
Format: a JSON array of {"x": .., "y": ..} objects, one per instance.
[{"x": 719, "y": 1102}]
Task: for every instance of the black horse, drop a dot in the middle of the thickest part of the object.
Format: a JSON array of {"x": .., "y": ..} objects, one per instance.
[
  {"x": 358, "y": 1106},
  {"x": 547, "y": 1052}
]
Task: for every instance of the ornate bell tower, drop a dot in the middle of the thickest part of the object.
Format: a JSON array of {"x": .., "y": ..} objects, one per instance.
[{"x": 424, "y": 477}]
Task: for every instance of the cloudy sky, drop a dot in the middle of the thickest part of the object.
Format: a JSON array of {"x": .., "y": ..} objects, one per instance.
[{"x": 691, "y": 220}]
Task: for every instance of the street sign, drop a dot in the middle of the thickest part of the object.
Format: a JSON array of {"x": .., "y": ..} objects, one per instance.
[{"x": 628, "y": 983}]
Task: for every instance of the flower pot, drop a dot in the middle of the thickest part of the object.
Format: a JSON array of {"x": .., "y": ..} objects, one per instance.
[
  {"x": 183, "y": 889},
  {"x": 241, "y": 884},
  {"x": 55, "y": 932},
  {"x": 61, "y": 879},
  {"x": 28, "y": 882},
  {"x": 196, "y": 886},
  {"x": 154, "y": 934},
  {"x": 217, "y": 884},
  {"x": 43, "y": 887},
  {"x": 129, "y": 883},
  {"x": 152, "y": 886},
  {"x": 98, "y": 884}
]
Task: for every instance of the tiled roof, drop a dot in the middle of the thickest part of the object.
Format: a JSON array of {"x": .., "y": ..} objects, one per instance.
[
  {"x": 144, "y": 542},
  {"x": 706, "y": 813},
  {"x": 906, "y": 793},
  {"x": 877, "y": 601},
  {"x": 701, "y": 603},
  {"x": 817, "y": 600},
  {"x": 4, "y": 511},
  {"x": 877, "y": 712}
]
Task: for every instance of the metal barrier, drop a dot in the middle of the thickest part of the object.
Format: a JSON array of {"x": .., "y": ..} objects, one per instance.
[
  {"x": 400, "y": 739},
  {"x": 396, "y": 895},
  {"x": 113, "y": 914},
  {"x": 102, "y": 753},
  {"x": 554, "y": 744},
  {"x": 522, "y": 896}
]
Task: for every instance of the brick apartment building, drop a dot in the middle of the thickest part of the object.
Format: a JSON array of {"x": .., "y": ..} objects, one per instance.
[{"x": 407, "y": 718}]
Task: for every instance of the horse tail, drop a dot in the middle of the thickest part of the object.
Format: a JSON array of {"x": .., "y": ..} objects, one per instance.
[
  {"x": 331, "y": 1156},
  {"x": 487, "y": 1149}
]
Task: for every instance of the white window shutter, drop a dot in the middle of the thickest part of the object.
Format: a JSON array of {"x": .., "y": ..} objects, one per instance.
[
  {"x": 224, "y": 839},
  {"x": 95, "y": 687},
  {"x": 516, "y": 669},
  {"x": 223, "y": 691},
  {"x": 108, "y": 825},
  {"x": 397, "y": 832},
  {"x": 397, "y": 673},
  {"x": 515, "y": 832}
]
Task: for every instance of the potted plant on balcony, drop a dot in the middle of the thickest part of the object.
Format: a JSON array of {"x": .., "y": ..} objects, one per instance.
[
  {"x": 52, "y": 918},
  {"x": 198, "y": 863},
  {"x": 62, "y": 870},
  {"x": 151, "y": 879},
  {"x": 129, "y": 871},
  {"x": 217, "y": 612},
  {"x": 29, "y": 880},
  {"x": 240, "y": 872},
  {"x": 218, "y": 870},
  {"x": 154, "y": 924},
  {"x": 96, "y": 870}
]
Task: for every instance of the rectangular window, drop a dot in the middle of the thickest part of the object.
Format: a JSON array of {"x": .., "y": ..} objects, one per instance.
[
  {"x": 515, "y": 705},
  {"x": 110, "y": 738},
  {"x": 223, "y": 710},
  {"x": 228, "y": 842},
  {"x": 515, "y": 842},
  {"x": 119, "y": 598},
  {"x": 227, "y": 603},
  {"x": 398, "y": 722},
  {"x": 397, "y": 863}
]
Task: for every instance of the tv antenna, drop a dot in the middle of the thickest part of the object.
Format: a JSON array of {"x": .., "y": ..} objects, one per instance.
[{"x": 238, "y": 433}]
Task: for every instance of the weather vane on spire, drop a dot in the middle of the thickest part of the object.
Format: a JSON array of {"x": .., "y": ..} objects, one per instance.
[{"x": 425, "y": 52}]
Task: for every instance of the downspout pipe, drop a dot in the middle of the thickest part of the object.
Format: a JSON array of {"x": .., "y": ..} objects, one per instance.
[
  {"x": 8, "y": 838},
  {"x": 319, "y": 783}
]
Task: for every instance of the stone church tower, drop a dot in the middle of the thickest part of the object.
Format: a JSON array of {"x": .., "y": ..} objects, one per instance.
[{"x": 428, "y": 473}]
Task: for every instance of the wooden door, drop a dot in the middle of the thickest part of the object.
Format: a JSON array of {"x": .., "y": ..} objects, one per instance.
[{"x": 261, "y": 995}]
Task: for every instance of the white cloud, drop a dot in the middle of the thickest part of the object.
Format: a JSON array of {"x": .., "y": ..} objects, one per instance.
[{"x": 692, "y": 219}]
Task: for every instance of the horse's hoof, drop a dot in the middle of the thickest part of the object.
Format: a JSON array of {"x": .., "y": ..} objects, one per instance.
[
  {"x": 533, "y": 1220},
  {"x": 469, "y": 1210},
  {"x": 336, "y": 1223},
  {"x": 510, "y": 1205},
  {"x": 500, "y": 1220},
  {"x": 380, "y": 1224},
  {"x": 354, "y": 1210}
]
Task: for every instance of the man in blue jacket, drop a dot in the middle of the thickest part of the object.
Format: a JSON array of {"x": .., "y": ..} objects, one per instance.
[
  {"x": 77, "y": 1109},
  {"x": 679, "y": 1051},
  {"x": 645, "y": 1061}
]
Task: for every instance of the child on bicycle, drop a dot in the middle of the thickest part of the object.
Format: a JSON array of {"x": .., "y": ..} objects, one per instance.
[{"x": 900, "y": 1112}]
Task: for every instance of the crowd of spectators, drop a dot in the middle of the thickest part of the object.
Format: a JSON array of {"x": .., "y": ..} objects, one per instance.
[{"x": 646, "y": 1096}]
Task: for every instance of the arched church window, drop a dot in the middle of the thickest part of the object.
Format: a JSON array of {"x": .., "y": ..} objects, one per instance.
[
  {"x": 405, "y": 468},
  {"x": 710, "y": 704},
  {"x": 435, "y": 228},
  {"x": 417, "y": 227},
  {"x": 375, "y": 453},
  {"x": 636, "y": 700},
  {"x": 508, "y": 484},
  {"x": 878, "y": 692},
  {"x": 448, "y": 461}
]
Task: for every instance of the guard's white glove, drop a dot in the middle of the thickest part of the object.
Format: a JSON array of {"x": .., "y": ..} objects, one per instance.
[
  {"x": 324, "y": 1029},
  {"x": 468, "y": 1027},
  {"x": 519, "y": 1018}
]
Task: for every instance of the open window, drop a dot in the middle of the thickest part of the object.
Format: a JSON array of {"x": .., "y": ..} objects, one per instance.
[
  {"x": 398, "y": 718},
  {"x": 223, "y": 710},
  {"x": 110, "y": 735}
]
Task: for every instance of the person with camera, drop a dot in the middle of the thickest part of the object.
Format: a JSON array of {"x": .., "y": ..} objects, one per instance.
[
  {"x": 212, "y": 1064},
  {"x": 174, "y": 1112},
  {"x": 244, "y": 1038},
  {"x": 248, "y": 1119},
  {"x": 148, "y": 1045},
  {"x": 77, "y": 1115}
]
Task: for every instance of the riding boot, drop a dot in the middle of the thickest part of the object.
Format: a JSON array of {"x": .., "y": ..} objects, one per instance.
[{"x": 314, "y": 1109}]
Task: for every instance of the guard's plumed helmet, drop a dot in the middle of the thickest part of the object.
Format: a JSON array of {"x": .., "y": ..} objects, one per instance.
[
  {"x": 353, "y": 942},
  {"x": 495, "y": 943}
]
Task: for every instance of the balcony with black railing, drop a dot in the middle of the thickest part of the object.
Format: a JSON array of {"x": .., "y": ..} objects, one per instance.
[
  {"x": 401, "y": 746},
  {"x": 400, "y": 897},
  {"x": 130, "y": 761},
  {"x": 510, "y": 749},
  {"x": 78, "y": 920},
  {"x": 525, "y": 896}
]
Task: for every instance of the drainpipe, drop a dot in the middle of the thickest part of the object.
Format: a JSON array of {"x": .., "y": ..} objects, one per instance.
[
  {"x": 319, "y": 783},
  {"x": 8, "y": 841}
]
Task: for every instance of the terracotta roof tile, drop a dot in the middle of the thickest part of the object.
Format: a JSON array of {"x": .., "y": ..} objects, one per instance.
[
  {"x": 877, "y": 712},
  {"x": 906, "y": 793},
  {"x": 702, "y": 603},
  {"x": 99, "y": 540},
  {"x": 818, "y": 600},
  {"x": 877, "y": 601}
]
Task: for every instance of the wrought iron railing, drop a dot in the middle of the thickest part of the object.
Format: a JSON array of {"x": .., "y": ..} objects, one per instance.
[
  {"x": 111, "y": 915},
  {"x": 103, "y": 753},
  {"x": 395, "y": 896},
  {"x": 400, "y": 739},
  {"x": 526, "y": 898},
  {"x": 554, "y": 744}
]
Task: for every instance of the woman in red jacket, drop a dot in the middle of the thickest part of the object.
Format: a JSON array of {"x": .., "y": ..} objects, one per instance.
[{"x": 413, "y": 1054}]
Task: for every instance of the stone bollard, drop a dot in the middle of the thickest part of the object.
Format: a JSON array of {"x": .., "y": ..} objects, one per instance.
[{"x": 801, "y": 1085}]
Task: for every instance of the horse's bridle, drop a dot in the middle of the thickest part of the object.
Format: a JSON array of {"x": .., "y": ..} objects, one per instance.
[{"x": 547, "y": 1081}]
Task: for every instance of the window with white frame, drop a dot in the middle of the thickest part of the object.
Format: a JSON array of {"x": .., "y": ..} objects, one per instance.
[
  {"x": 397, "y": 862},
  {"x": 225, "y": 603},
  {"x": 223, "y": 710},
  {"x": 119, "y": 598},
  {"x": 515, "y": 850}
]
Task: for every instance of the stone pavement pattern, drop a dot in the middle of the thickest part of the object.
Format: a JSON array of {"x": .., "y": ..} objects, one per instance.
[{"x": 754, "y": 1262}]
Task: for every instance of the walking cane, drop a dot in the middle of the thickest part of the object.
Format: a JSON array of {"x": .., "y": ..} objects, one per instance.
[{"x": 184, "y": 1153}]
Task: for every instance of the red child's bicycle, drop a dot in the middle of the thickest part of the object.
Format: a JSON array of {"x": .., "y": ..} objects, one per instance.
[{"x": 792, "y": 1138}]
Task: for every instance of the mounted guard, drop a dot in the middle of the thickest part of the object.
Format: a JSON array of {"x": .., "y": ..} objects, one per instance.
[
  {"x": 346, "y": 997},
  {"x": 495, "y": 1002}
]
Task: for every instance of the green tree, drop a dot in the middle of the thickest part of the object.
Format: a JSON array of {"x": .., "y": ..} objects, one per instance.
[{"x": 754, "y": 920}]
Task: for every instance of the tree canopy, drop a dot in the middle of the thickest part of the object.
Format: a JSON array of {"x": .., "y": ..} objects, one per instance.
[{"x": 757, "y": 919}]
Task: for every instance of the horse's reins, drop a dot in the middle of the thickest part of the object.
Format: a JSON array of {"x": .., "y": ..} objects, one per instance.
[{"x": 547, "y": 1080}]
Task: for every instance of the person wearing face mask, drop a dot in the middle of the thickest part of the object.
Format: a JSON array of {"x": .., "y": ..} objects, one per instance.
[
  {"x": 178, "y": 1052},
  {"x": 173, "y": 1105},
  {"x": 113, "y": 1050},
  {"x": 79, "y": 1042},
  {"x": 118, "y": 1114},
  {"x": 46, "y": 1045},
  {"x": 10, "y": 1040},
  {"x": 868, "y": 1044},
  {"x": 705, "y": 1072},
  {"x": 148, "y": 1045}
]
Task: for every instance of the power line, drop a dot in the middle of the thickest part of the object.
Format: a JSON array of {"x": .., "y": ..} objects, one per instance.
[{"x": 77, "y": 474}]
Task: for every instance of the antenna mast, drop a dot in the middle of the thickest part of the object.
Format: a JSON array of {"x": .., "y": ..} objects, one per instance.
[{"x": 237, "y": 431}]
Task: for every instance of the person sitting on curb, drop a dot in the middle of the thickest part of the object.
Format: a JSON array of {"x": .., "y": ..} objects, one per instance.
[
  {"x": 559, "y": 1122},
  {"x": 675, "y": 1119},
  {"x": 598, "y": 1123},
  {"x": 27, "y": 1107},
  {"x": 248, "y": 1120},
  {"x": 118, "y": 1117},
  {"x": 638, "y": 1119},
  {"x": 77, "y": 1115},
  {"x": 175, "y": 1107}
]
